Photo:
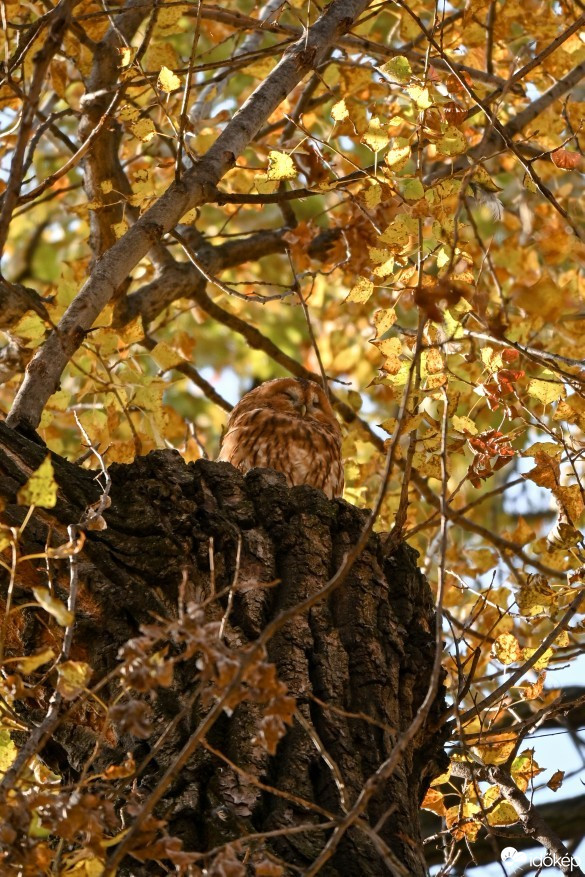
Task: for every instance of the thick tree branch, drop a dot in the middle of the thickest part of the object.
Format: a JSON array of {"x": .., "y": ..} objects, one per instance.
[{"x": 102, "y": 162}]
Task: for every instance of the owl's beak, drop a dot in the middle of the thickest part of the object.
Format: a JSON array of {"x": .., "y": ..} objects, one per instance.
[{"x": 303, "y": 410}]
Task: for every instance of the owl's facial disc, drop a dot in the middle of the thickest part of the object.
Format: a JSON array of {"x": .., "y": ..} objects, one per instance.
[{"x": 295, "y": 397}]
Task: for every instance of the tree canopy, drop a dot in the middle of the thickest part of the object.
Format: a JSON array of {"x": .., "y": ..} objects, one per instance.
[{"x": 386, "y": 197}]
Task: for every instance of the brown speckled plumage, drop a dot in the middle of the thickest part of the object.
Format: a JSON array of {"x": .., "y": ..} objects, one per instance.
[{"x": 287, "y": 424}]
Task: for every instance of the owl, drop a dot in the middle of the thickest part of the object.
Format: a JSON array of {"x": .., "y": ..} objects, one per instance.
[{"x": 287, "y": 424}]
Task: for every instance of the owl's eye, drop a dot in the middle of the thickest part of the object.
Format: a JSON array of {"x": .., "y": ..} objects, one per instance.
[
  {"x": 291, "y": 395},
  {"x": 315, "y": 402}
]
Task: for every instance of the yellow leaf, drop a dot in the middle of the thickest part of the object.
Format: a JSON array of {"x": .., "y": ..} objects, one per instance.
[
  {"x": 390, "y": 348},
  {"x": 53, "y": 606},
  {"x": 373, "y": 195},
  {"x": 164, "y": 355},
  {"x": 106, "y": 186},
  {"x": 133, "y": 331},
  {"x": 460, "y": 820},
  {"x": 167, "y": 80},
  {"x": 361, "y": 291},
  {"x": 383, "y": 320},
  {"x": 82, "y": 863},
  {"x": 73, "y": 677},
  {"x": 502, "y": 814},
  {"x": 120, "y": 228},
  {"x": 30, "y": 329},
  {"x": 428, "y": 465},
  {"x": 169, "y": 18},
  {"x": 375, "y": 137},
  {"x": 125, "y": 53},
  {"x": 143, "y": 129},
  {"x": 398, "y": 233},
  {"x": 497, "y": 750},
  {"x": 339, "y": 111},
  {"x": 524, "y": 769},
  {"x": 546, "y": 391},
  {"x": 432, "y": 362},
  {"x": 41, "y": 487},
  {"x": 398, "y": 154},
  {"x": 265, "y": 186},
  {"x": 280, "y": 166},
  {"x": 464, "y": 424},
  {"x": 506, "y": 649},
  {"x": 128, "y": 113},
  {"x": 8, "y": 750},
  {"x": 379, "y": 254},
  {"x": 32, "y": 662},
  {"x": 412, "y": 189},
  {"x": 571, "y": 500},
  {"x": 443, "y": 258},
  {"x": 452, "y": 142},
  {"x": 420, "y": 96},
  {"x": 542, "y": 662},
  {"x": 6, "y": 537},
  {"x": 59, "y": 77},
  {"x": 549, "y": 448},
  {"x": 532, "y": 690}
]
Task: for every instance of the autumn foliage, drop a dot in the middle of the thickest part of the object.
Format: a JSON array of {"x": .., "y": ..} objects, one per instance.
[{"x": 388, "y": 197}]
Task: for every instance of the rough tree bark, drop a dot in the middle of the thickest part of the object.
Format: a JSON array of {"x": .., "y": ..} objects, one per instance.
[{"x": 367, "y": 650}]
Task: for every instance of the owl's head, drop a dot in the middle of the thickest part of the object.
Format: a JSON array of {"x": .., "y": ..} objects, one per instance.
[{"x": 296, "y": 397}]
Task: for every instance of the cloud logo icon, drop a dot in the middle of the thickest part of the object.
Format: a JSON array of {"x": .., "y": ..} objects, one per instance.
[
  {"x": 511, "y": 854},
  {"x": 508, "y": 853}
]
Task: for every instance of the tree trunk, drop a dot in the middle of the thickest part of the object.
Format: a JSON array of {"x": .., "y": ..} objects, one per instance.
[{"x": 358, "y": 663}]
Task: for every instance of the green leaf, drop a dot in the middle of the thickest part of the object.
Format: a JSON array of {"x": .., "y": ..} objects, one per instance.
[
  {"x": 398, "y": 68},
  {"x": 413, "y": 189}
]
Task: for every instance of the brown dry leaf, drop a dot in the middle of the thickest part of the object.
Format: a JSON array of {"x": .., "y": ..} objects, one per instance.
[
  {"x": 566, "y": 160},
  {"x": 556, "y": 780}
]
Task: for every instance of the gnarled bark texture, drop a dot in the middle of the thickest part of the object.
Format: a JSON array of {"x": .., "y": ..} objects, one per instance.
[{"x": 365, "y": 651}]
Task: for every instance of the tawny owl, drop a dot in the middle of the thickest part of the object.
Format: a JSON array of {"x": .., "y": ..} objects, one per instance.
[{"x": 287, "y": 424}]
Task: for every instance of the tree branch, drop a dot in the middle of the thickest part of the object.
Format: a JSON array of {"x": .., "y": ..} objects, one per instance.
[{"x": 195, "y": 188}]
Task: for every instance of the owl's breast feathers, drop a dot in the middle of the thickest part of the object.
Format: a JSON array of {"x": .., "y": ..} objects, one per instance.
[{"x": 305, "y": 450}]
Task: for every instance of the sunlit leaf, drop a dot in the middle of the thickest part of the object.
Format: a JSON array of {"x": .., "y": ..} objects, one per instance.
[
  {"x": 41, "y": 487},
  {"x": 398, "y": 68},
  {"x": 167, "y": 80},
  {"x": 362, "y": 291},
  {"x": 73, "y": 678},
  {"x": 53, "y": 606},
  {"x": 280, "y": 166}
]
